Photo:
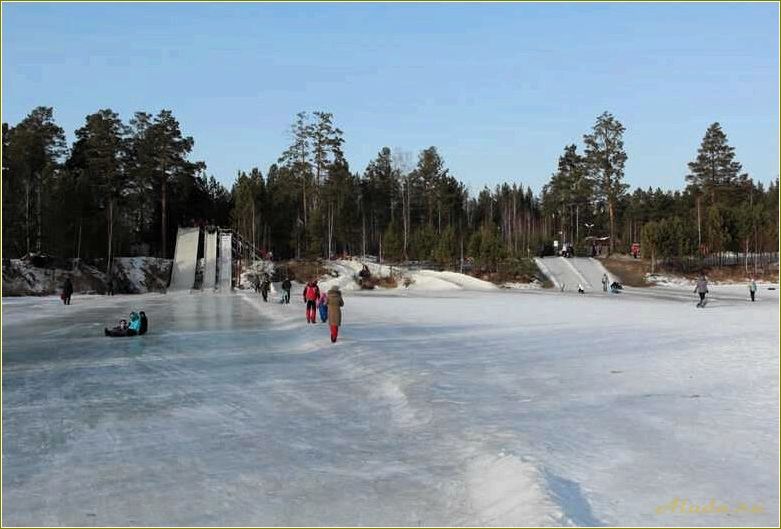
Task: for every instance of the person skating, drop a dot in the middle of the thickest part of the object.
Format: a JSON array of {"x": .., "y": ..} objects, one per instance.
[
  {"x": 322, "y": 306},
  {"x": 701, "y": 288},
  {"x": 264, "y": 288},
  {"x": 335, "y": 304},
  {"x": 605, "y": 281},
  {"x": 67, "y": 291},
  {"x": 286, "y": 286},
  {"x": 311, "y": 294},
  {"x": 752, "y": 288}
]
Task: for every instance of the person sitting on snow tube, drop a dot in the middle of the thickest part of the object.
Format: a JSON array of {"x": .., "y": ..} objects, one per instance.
[
  {"x": 119, "y": 330},
  {"x": 125, "y": 329},
  {"x": 615, "y": 286}
]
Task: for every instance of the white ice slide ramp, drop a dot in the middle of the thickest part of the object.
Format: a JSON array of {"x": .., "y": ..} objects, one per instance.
[
  {"x": 210, "y": 261},
  {"x": 567, "y": 273},
  {"x": 226, "y": 261},
  {"x": 185, "y": 259}
]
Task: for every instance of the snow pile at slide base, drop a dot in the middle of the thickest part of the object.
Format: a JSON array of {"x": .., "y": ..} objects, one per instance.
[
  {"x": 256, "y": 269},
  {"x": 418, "y": 280}
]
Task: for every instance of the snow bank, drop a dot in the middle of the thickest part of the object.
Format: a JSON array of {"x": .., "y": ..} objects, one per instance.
[
  {"x": 256, "y": 269},
  {"x": 535, "y": 284},
  {"x": 140, "y": 275},
  {"x": 133, "y": 275},
  {"x": 346, "y": 271},
  {"x": 507, "y": 491},
  {"x": 674, "y": 281}
]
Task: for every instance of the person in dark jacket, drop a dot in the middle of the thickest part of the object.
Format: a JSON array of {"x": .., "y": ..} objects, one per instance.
[
  {"x": 286, "y": 286},
  {"x": 144, "y": 323},
  {"x": 264, "y": 288},
  {"x": 67, "y": 291}
]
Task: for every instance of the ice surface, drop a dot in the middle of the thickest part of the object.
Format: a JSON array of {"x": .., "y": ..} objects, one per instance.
[{"x": 440, "y": 407}]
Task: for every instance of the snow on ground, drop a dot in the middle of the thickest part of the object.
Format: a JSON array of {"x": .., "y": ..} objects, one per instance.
[
  {"x": 257, "y": 269},
  {"x": 418, "y": 280},
  {"x": 523, "y": 286},
  {"x": 664, "y": 280},
  {"x": 436, "y": 407}
]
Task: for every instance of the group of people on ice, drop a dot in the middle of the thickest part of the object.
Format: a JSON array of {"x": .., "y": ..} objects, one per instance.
[
  {"x": 264, "y": 287},
  {"x": 138, "y": 325},
  {"x": 328, "y": 305}
]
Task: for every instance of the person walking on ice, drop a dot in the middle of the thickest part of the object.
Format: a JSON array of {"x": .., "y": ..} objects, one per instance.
[
  {"x": 286, "y": 286},
  {"x": 701, "y": 288},
  {"x": 311, "y": 295},
  {"x": 322, "y": 306},
  {"x": 752, "y": 288},
  {"x": 67, "y": 291},
  {"x": 335, "y": 304},
  {"x": 605, "y": 281},
  {"x": 264, "y": 287}
]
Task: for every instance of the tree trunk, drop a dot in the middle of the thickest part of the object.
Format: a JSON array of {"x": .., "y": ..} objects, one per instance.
[
  {"x": 363, "y": 235},
  {"x": 27, "y": 215},
  {"x": 163, "y": 216},
  {"x": 78, "y": 245},
  {"x": 110, "y": 234},
  {"x": 612, "y": 225},
  {"x": 330, "y": 229},
  {"x": 699, "y": 225},
  {"x": 38, "y": 215}
]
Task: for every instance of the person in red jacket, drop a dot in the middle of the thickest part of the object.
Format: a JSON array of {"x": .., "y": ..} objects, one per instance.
[{"x": 311, "y": 295}]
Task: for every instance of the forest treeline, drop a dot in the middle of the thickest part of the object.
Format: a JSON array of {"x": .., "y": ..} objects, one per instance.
[{"x": 124, "y": 188}]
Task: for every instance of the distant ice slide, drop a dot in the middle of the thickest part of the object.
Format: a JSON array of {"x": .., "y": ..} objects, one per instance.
[
  {"x": 185, "y": 258},
  {"x": 566, "y": 273}
]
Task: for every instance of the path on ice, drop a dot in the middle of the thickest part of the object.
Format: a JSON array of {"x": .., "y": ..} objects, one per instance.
[{"x": 441, "y": 408}]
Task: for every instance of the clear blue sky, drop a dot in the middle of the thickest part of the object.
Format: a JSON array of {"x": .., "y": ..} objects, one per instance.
[{"x": 500, "y": 89}]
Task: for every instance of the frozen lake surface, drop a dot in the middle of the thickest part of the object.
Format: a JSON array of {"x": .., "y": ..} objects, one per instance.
[{"x": 435, "y": 408}]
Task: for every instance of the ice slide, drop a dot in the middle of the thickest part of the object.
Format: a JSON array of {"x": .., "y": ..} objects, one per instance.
[
  {"x": 226, "y": 244},
  {"x": 210, "y": 261},
  {"x": 185, "y": 258},
  {"x": 592, "y": 270},
  {"x": 567, "y": 273}
]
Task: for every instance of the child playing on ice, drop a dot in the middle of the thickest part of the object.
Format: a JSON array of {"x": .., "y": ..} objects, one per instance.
[{"x": 323, "y": 307}]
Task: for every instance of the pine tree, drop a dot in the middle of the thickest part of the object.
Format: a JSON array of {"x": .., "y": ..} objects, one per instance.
[
  {"x": 605, "y": 159},
  {"x": 715, "y": 172},
  {"x": 102, "y": 148}
]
